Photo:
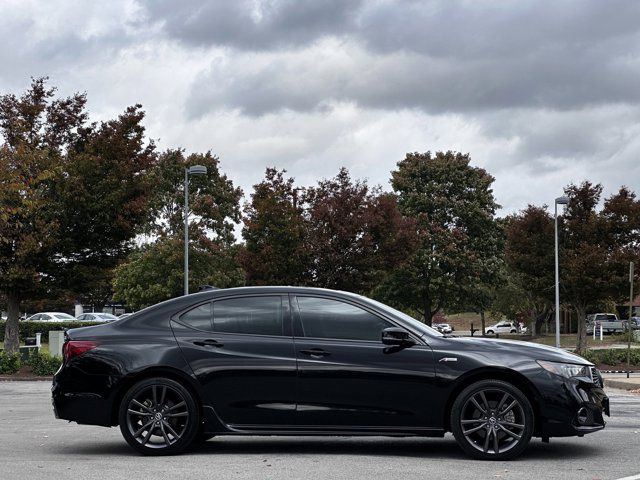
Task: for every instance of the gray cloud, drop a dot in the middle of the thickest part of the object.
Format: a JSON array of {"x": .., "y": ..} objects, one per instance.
[
  {"x": 439, "y": 56},
  {"x": 540, "y": 93},
  {"x": 253, "y": 25}
]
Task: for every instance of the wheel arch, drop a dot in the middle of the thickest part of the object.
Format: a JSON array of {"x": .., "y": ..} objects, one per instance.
[
  {"x": 496, "y": 373},
  {"x": 156, "y": 371}
]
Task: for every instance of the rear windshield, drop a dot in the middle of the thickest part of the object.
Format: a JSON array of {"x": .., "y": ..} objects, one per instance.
[{"x": 610, "y": 317}]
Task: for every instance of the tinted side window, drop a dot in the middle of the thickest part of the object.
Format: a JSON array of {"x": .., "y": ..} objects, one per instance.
[
  {"x": 199, "y": 317},
  {"x": 250, "y": 315},
  {"x": 324, "y": 318}
]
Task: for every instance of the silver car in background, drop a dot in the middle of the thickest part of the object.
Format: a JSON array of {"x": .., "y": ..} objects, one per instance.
[
  {"x": 96, "y": 317},
  {"x": 50, "y": 317}
]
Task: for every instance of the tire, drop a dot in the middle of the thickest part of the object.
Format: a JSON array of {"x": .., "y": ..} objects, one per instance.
[
  {"x": 477, "y": 433},
  {"x": 513, "y": 331},
  {"x": 490, "y": 332},
  {"x": 159, "y": 416}
]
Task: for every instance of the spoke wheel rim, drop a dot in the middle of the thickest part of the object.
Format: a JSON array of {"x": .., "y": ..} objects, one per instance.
[
  {"x": 157, "y": 416},
  {"x": 492, "y": 421}
]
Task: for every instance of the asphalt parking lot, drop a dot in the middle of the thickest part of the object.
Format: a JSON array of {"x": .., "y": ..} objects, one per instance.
[{"x": 34, "y": 445}]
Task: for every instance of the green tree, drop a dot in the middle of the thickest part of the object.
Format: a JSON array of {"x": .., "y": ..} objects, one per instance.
[
  {"x": 529, "y": 255},
  {"x": 596, "y": 249},
  {"x": 454, "y": 209},
  {"x": 214, "y": 203},
  {"x": 72, "y": 194},
  {"x": 154, "y": 273},
  {"x": 274, "y": 233},
  {"x": 355, "y": 235}
]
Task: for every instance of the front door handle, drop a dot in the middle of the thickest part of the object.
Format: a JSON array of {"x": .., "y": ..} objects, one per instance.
[
  {"x": 315, "y": 352},
  {"x": 209, "y": 342}
]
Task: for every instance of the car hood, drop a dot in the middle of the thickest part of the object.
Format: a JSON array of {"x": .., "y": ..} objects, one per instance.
[{"x": 532, "y": 350}]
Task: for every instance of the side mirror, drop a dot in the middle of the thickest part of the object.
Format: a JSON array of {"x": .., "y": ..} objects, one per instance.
[{"x": 397, "y": 337}]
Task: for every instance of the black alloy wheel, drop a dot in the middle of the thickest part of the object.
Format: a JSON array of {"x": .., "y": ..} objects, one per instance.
[
  {"x": 158, "y": 416},
  {"x": 492, "y": 420}
]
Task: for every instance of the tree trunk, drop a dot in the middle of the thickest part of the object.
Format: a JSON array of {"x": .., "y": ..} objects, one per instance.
[
  {"x": 428, "y": 314},
  {"x": 581, "y": 337},
  {"x": 482, "y": 322},
  {"x": 533, "y": 322},
  {"x": 11, "y": 330}
]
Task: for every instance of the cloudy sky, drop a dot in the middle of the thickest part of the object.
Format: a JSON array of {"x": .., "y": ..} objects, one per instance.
[{"x": 540, "y": 93}]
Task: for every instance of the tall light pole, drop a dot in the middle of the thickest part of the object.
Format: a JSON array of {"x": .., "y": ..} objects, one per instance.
[
  {"x": 559, "y": 201},
  {"x": 193, "y": 170}
]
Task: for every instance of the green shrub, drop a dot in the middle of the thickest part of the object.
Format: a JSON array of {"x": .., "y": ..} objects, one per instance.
[
  {"x": 29, "y": 329},
  {"x": 9, "y": 363},
  {"x": 43, "y": 364},
  {"x": 612, "y": 356}
]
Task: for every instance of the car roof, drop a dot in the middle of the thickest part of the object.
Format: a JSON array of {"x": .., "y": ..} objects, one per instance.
[
  {"x": 51, "y": 313},
  {"x": 219, "y": 292}
]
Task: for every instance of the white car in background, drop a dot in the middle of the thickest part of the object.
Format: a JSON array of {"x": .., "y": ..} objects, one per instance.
[
  {"x": 443, "y": 328},
  {"x": 50, "y": 317},
  {"x": 96, "y": 317},
  {"x": 501, "y": 327}
]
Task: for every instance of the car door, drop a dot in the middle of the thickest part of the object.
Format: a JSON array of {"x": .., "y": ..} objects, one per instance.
[
  {"x": 240, "y": 348},
  {"x": 45, "y": 318},
  {"x": 349, "y": 380}
]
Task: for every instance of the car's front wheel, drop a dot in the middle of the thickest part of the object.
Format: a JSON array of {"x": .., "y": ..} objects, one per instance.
[
  {"x": 492, "y": 420},
  {"x": 490, "y": 332},
  {"x": 158, "y": 416}
]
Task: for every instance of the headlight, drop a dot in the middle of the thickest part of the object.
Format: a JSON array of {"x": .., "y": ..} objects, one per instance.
[{"x": 566, "y": 370}]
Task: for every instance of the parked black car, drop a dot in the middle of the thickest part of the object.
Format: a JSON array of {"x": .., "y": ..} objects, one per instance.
[{"x": 302, "y": 361}]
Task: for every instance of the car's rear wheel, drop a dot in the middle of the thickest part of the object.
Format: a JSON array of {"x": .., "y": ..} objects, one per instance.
[
  {"x": 158, "y": 416},
  {"x": 492, "y": 420}
]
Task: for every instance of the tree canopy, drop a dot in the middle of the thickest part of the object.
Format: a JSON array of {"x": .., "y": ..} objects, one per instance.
[
  {"x": 72, "y": 195},
  {"x": 458, "y": 238}
]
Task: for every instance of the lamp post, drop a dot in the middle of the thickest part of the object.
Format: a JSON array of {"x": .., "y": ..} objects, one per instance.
[
  {"x": 193, "y": 170},
  {"x": 559, "y": 201}
]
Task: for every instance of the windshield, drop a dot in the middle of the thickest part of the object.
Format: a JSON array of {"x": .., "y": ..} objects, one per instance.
[
  {"x": 63, "y": 315},
  {"x": 415, "y": 324},
  {"x": 107, "y": 316}
]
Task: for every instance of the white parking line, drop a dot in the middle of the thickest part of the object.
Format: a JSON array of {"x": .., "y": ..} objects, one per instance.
[{"x": 633, "y": 477}]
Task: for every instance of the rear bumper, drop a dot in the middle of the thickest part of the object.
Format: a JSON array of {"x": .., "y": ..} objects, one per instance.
[{"x": 82, "y": 398}]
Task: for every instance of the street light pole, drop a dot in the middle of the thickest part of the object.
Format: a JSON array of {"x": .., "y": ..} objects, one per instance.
[
  {"x": 194, "y": 170},
  {"x": 559, "y": 201}
]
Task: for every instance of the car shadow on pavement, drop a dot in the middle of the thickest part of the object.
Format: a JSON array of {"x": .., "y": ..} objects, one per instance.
[
  {"x": 445, "y": 448},
  {"x": 424, "y": 448}
]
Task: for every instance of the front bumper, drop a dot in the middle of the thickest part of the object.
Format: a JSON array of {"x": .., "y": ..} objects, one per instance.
[{"x": 574, "y": 406}]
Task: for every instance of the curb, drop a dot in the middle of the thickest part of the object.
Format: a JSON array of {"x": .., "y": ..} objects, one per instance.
[
  {"x": 622, "y": 384},
  {"x": 25, "y": 379}
]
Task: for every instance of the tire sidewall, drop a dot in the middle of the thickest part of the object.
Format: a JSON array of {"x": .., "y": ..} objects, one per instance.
[
  {"x": 192, "y": 428},
  {"x": 456, "y": 411}
]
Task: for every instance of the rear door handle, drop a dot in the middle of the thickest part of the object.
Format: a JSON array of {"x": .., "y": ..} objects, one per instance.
[
  {"x": 315, "y": 352},
  {"x": 209, "y": 342}
]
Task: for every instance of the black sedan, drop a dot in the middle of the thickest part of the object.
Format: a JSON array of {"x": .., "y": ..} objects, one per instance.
[{"x": 302, "y": 361}]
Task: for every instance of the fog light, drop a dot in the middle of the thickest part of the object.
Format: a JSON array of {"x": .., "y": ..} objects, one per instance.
[{"x": 583, "y": 416}]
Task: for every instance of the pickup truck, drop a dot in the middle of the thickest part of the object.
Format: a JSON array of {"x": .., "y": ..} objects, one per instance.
[{"x": 609, "y": 321}]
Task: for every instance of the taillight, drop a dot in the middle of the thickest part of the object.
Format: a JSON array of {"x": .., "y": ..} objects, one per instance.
[{"x": 75, "y": 348}]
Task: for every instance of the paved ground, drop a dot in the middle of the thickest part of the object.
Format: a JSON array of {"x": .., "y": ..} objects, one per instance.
[{"x": 33, "y": 445}]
